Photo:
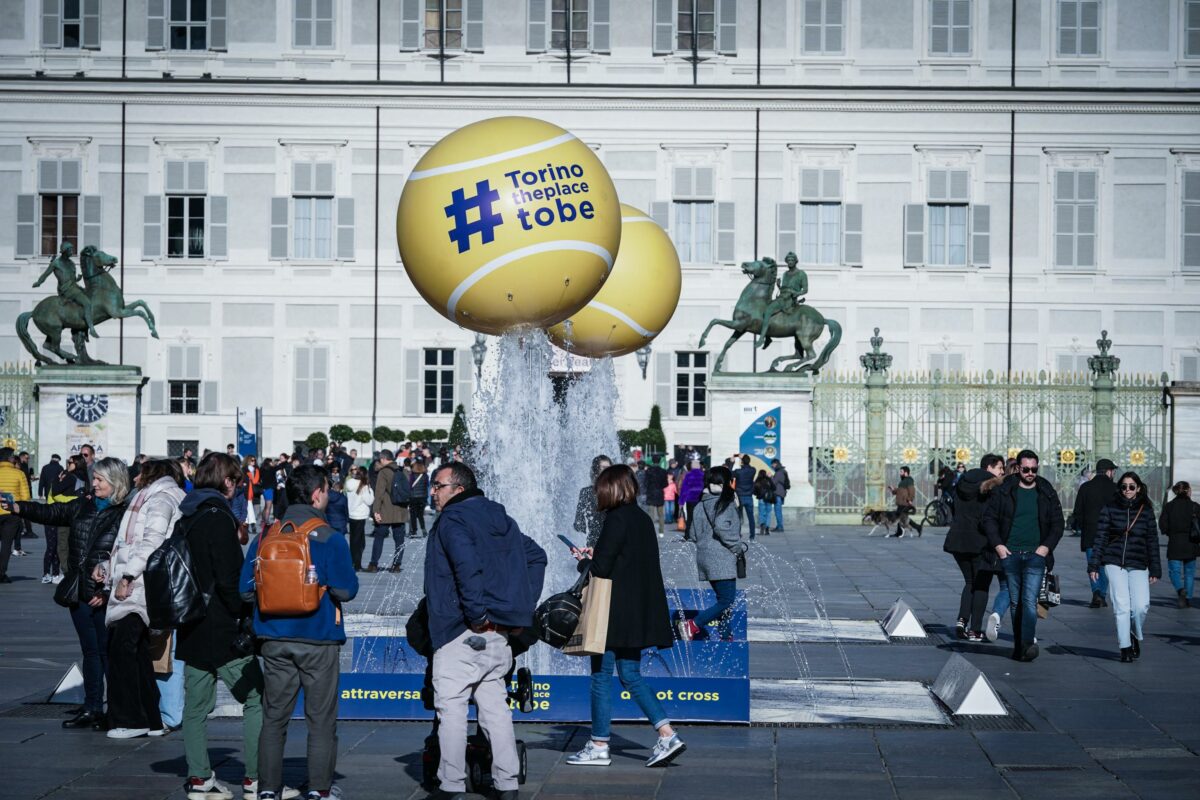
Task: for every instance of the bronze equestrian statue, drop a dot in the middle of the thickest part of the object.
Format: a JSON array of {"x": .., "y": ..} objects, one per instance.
[
  {"x": 78, "y": 309},
  {"x": 800, "y": 321}
]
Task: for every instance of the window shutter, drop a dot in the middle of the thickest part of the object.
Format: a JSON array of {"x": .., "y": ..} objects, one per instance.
[
  {"x": 834, "y": 22},
  {"x": 1089, "y": 22},
  {"x": 197, "y": 177},
  {"x": 320, "y": 380},
  {"x": 175, "y": 363},
  {"x": 831, "y": 184},
  {"x": 345, "y": 228},
  {"x": 939, "y": 184},
  {"x": 660, "y": 212},
  {"x": 601, "y": 25},
  {"x": 158, "y": 397},
  {"x": 216, "y": 25},
  {"x": 810, "y": 184},
  {"x": 91, "y": 24},
  {"x": 280, "y": 213},
  {"x": 726, "y": 246},
  {"x": 302, "y": 24},
  {"x": 174, "y": 177},
  {"x": 663, "y": 391},
  {"x": 152, "y": 227},
  {"x": 981, "y": 235},
  {"x": 1191, "y": 216},
  {"x": 664, "y": 27},
  {"x": 684, "y": 183},
  {"x": 473, "y": 35},
  {"x": 218, "y": 226},
  {"x": 91, "y": 222},
  {"x": 303, "y": 381},
  {"x": 1189, "y": 368},
  {"x": 48, "y": 176},
  {"x": 156, "y": 24},
  {"x": 852, "y": 234},
  {"x": 26, "y": 226},
  {"x": 410, "y": 24},
  {"x": 51, "y": 23},
  {"x": 322, "y": 177},
  {"x": 302, "y": 177},
  {"x": 914, "y": 235},
  {"x": 939, "y": 27},
  {"x": 191, "y": 363},
  {"x": 785, "y": 230},
  {"x": 211, "y": 399},
  {"x": 954, "y": 362},
  {"x": 323, "y": 24},
  {"x": 727, "y": 27},
  {"x": 704, "y": 183},
  {"x": 412, "y": 383},
  {"x": 960, "y": 185},
  {"x": 812, "y": 26},
  {"x": 70, "y": 175},
  {"x": 463, "y": 368},
  {"x": 538, "y": 26}
]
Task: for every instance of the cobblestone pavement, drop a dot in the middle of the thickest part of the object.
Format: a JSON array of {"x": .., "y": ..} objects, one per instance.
[{"x": 1086, "y": 726}]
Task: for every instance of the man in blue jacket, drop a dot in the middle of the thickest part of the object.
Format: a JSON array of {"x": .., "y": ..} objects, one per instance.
[
  {"x": 303, "y": 651},
  {"x": 482, "y": 580}
]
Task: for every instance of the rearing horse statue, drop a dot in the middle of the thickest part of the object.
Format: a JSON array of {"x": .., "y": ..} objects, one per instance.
[
  {"x": 803, "y": 323},
  {"x": 53, "y": 315}
]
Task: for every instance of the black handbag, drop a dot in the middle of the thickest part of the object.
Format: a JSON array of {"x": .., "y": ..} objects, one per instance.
[
  {"x": 66, "y": 594},
  {"x": 555, "y": 620},
  {"x": 741, "y": 565},
  {"x": 1049, "y": 594},
  {"x": 1194, "y": 536}
]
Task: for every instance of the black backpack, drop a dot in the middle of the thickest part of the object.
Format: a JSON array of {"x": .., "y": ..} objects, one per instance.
[
  {"x": 401, "y": 491},
  {"x": 555, "y": 620},
  {"x": 173, "y": 595}
]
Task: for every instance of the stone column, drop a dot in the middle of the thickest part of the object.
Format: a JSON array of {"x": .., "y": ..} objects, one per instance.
[
  {"x": 876, "y": 363},
  {"x": 1103, "y": 367}
]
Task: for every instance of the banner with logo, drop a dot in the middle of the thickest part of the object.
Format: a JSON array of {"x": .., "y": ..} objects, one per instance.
[
  {"x": 761, "y": 429},
  {"x": 247, "y": 433}
]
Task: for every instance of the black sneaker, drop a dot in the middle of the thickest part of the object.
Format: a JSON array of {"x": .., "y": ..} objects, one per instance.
[
  {"x": 1031, "y": 652},
  {"x": 960, "y": 629},
  {"x": 1136, "y": 646},
  {"x": 1097, "y": 600}
]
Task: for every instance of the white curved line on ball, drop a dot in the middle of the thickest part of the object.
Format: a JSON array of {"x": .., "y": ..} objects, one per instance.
[
  {"x": 636, "y": 219},
  {"x": 533, "y": 249},
  {"x": 623, "y": 317},
  {"x": 482, "y": 162}
]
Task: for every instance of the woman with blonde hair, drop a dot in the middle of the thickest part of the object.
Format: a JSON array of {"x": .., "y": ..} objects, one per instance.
[{"x": 132, "y": 691}]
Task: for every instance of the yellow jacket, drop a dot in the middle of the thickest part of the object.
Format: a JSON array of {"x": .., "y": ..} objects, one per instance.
[{"x": 14, "y": 482}]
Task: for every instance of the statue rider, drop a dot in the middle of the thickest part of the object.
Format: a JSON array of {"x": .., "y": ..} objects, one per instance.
[
  {"x": 793, "y": 285},
  {"x": 68, "y": 283}
]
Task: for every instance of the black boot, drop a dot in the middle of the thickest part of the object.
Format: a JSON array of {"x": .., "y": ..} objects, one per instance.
[
  {"x": 1126, "y": 655},
  {"x": 1097, "y": 600},
  {"x": 83, "y": 719},
  {"x": 1183, "y": 600},
  {"x": 1136, "y": 648}
]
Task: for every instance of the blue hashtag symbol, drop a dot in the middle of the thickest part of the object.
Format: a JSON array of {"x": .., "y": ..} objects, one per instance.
[{"x": 488, "y": 220}]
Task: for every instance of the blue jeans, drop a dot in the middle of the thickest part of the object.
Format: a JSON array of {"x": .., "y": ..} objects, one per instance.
[
  {"x": 779, "y": 512},
  {"x": 1129, "y": 596},
  {"x": 746, "y": 507},
  {"x": 669, "y": 510},
  {"x": 170, "y": 691},
  {"x": 1100, "y": 584},
  {"x": 764, "y": 513},
  {"x": 629, "y": 670},
  {"x": 93, "y": 641},
  {"x": 726, "y": 592},
  {"x": 1003, "y": 598},
  {"x": 1024, "y": 571},
  {"x": 1183, "y": 575},
  {"x": 380, "y": 535}
]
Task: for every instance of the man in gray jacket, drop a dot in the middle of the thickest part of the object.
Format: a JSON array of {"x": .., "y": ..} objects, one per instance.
[{"x": 782, "y": 484}]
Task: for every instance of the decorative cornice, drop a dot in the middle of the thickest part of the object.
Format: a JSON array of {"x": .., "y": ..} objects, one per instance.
[
  {"x": 185, "y": 141},
  {"x": 947, "y": 147},
  {"x": 52, "y": 141},
  {"x": 314, "y": 142},
  {"x": 700, "y": 147},
  {"x": 1067, "y": 152},
  {"x": 794, "y": 146}
]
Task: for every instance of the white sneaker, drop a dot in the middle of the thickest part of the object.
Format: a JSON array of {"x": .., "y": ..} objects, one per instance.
[
  {"x": 163, "y": 731},
  {"x": 47, "y": 579},
  {"x": 666, "y": 749},
  {"x": 211, "y": 789},
  {"x": 57, "y": 579},
  {"x": 592, "y": 755},
  {"x": 250, "y": 791},
  {"x": 127, "y": 733},
  {"x": 991, "y": 629}
]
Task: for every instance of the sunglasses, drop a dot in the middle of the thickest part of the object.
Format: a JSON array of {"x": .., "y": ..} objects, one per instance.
[
  {"x": 1129, "y": 486},
  {"x": 1029, "y": 470}
]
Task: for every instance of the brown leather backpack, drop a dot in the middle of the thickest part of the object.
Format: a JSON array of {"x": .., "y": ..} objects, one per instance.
[{"x": 281, "y": 570}]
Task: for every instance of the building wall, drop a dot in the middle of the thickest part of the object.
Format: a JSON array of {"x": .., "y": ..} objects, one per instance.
[{"x": 884, "y": 113}]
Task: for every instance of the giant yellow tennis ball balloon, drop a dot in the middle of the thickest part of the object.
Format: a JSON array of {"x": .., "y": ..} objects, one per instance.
[
  {"x": 507, "y": 223},
  {"x": 635, "y": 303}
]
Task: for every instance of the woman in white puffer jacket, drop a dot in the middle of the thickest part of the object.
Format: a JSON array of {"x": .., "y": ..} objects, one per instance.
[{"x": 149, "y": 520}]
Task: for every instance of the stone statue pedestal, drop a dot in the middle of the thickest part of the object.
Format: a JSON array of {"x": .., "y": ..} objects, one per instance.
[
  {"x": 767, "y": 415},
  {"x": 96, "y": 405}
]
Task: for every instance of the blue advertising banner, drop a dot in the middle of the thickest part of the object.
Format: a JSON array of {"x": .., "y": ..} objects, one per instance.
[
  {"x": 247, "y": 440},
  {"x": 760, "y": 439}
]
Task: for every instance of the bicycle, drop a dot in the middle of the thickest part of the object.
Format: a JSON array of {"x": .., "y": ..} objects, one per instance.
[{"x": 939, "y": 513}]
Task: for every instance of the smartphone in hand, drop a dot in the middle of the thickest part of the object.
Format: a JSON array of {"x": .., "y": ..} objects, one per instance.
[
  {"x": 7, "y": 501},
  {"x": 568, "y": 543}
]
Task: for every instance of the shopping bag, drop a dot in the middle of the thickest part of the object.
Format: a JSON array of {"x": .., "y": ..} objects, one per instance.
[
  {"x": 592, "y": 634},
  {"x": 160, "y": 651}
]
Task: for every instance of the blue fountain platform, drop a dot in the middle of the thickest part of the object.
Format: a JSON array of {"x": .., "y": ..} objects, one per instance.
[{"x": 706, "y": 680}]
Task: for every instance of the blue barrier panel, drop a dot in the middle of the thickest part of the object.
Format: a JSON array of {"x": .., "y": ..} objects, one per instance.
[
  {"x": 557, "y": 698},
  {"x": 690, "y": 601}
]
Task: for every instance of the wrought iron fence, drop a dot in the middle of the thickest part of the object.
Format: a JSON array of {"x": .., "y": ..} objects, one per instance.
[
  {"x": 18, "y": 409},
  {"x": 933, "y": 421}
]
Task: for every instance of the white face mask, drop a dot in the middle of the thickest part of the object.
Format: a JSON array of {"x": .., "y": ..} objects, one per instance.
[{"x": 714, "y": 488}]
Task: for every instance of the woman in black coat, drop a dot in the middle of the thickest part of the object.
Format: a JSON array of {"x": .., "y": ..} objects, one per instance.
[
  {"x": 627, "y": 554},
  {"x": 1177, "y": 522},
  {"x": 968, "y": 544},
  {"x": 93, "y": 521},
  {"x": 1126, "y": 548}
]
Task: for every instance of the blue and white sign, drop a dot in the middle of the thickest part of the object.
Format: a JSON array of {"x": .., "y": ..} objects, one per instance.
[
  {"x": 762, "y": 428},
  {"x": 247, "y": 438}
]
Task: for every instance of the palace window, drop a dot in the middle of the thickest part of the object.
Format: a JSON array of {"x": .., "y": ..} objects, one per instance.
[
  {"x": 183, "y": 379},
  {"x": 949, "y": 27},
  {"x": 71, "y": 24},
  {"x": 824, "y": 27},
  {"x": 437, "y": 26},
  {"x": 701, "y": 26},
  {"x": 311, "y": 380},
  {"x": 947, "y": 230},
  {"x": 1079, "y": 28},
  {"x": 1191, "y": 29},
  {"x": 58, "y": 212},
  {"x": 1190, "y": 250},
  {"x": 312, "y": 24},
  {"x": 438, "y": 380},
  {"x": 691, "y": 380},
  {"x": 1075, "y": 199}
]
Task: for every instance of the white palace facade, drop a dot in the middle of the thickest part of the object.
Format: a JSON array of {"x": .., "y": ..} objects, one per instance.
[{"x": 990, "y": 186}]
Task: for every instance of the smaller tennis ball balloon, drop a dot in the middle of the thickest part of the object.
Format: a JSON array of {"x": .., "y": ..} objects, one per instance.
[
  {"x": 507, "y": 223},
  {"x": 636, "y": 302}
]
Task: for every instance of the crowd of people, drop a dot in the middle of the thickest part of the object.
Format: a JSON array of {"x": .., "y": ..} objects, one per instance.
[{"x": 1008, "y": 520}]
